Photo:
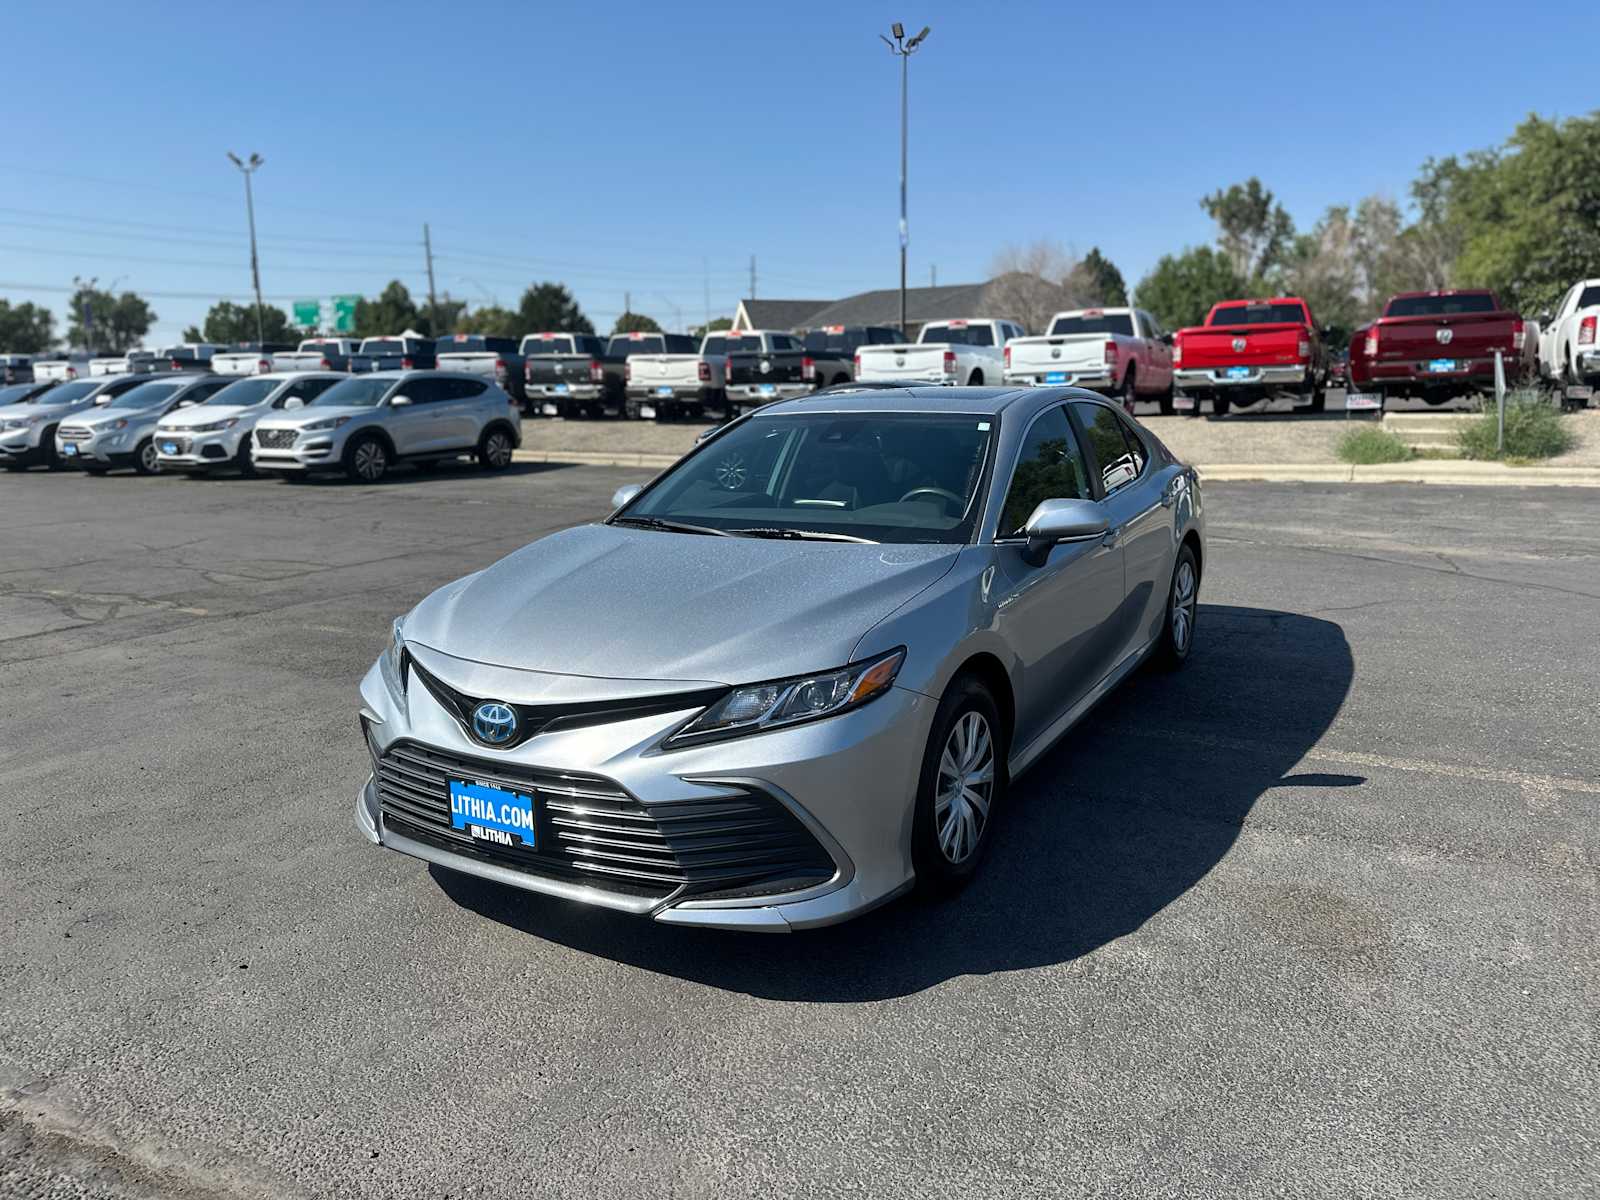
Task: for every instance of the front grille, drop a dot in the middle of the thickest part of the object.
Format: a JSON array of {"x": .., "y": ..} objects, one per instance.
[
  {"x": 179, "y": 445},
  {"x": 276, "y": 439},
  {"x": 590, "y": 830},
  {"x": 74, "y": 433}
]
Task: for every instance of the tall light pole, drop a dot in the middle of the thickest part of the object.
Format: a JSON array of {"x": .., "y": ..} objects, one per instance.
[
  {"x": 248, "y": 169},
  {"x": 904, "y": 50}
]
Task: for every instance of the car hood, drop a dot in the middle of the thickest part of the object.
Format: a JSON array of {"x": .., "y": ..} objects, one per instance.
[
  {"x": 208, "y": 414},
  {"x": 618, "y": 603},
  {"x": 311, "y": 414},
  {"x": 13, "y": 412},
  {"x": 97, "y": 417}
]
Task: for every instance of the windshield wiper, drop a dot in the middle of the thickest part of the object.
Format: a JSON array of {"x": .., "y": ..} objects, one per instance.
[
  {"x": 801, "y": 535},
  {"x": 669, "y": 526}
]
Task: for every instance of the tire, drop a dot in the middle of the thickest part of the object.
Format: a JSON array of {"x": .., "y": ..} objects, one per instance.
[
  {"x": 145, "y": 461},
  {"x": 495, "y": 449},
  {"x": 1168, "y": 407},
  {"x": 366, "y": 460},
  {"x": 1319, "y": 401},
  {"x": 947, "y": 855},
  {"x": 47, "y": 451},
  {"x": 198, "y": 473},
  {"x": 1130, "y": 392},
  {"x": 245, "y": 459},
  {"x": 96, "y": 470},
  {"x": 1183, "y": 598},
  {"x": 1219, "y": 405}
]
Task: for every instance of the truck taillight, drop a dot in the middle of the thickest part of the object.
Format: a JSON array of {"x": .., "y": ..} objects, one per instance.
[
  {"x": 1111, "y": 352},
  {"x": 264, "y": 366},
  {"x": 324, "y": 365},
  {"x": 808, "y": 367},
  {"x": 1586, "y": 331},
  {"x": 596, "y": 371},
  {"x": 1519, "y": 334},
  {"x": 406, "y": 364},
  {"x": 176, "y": 365},
  {"x": 1177, "y": 350},
  {"x": 1008, "y": 358},
  {"x": 627, "y": 372},
  {"x": 500, "y": 370},
  {"x": 705, "y": 371},
  {"x": 949, "y": 362},
  {"x": 1372, "y": 343},
  {"x": 1303, "y": 348},
  {"x": 857, "y": 364}
]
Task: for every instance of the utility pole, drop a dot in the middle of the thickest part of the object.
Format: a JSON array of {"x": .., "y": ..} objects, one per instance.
[
  {"x": 249, "y": 169},
  {"x": 752, "y": 277},
  {"x": 904, "y": 49},
  {"x": 705, "y": 270},
  {"x": 433, "y": 305}
]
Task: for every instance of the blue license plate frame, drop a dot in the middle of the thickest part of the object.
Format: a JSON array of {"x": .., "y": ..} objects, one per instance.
[{"x": 486, "y": 812}]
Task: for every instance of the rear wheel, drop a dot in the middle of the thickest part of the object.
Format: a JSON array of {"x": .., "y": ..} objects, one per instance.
[
  {"x": 1219, "y": 405},
  {"x": 1166, "y": 401},
  {"x": 145, "y": 459},
  {"x": 366, "y": 460},
  {"x": 1319, "y": 401},
  {"x": 495, "y": 449},
  {"x": 1183, "y": 596},
  {"x": 1130, "y": 392},
  {"x": 961, "y": 789},
  {"x": 245, "y": 459},
  {"x": 47, "y": 450}
]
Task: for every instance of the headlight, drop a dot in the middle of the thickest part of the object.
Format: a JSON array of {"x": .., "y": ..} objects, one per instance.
[
  {"x": 762, "y": 706},
  {"x": 324, "y": 426},
  {"x": 215, "y": 426},
  {"x": 21, "y": 423},
  {"x": 390, "y": 663},
  {"x": 119, "y": 423}
]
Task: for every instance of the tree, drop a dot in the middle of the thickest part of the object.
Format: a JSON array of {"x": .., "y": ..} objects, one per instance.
[
  {"x": 227, "y": 323},
  {"x": 550, "y": 308},
  {"x": 392, "y": 312},
  {"x": 1181, "y": 289},
  {"x": 101, "y": 321},
  {"x": 1032, "y": 283},
  {"x": 492, "y": 321},
  {"x": 1099, "y": 280},
  {"x": 1324, "y": 269},
  {"x": 631, "y": 322},
  {"x": 1253, "y": 230},
  {"x": 26, "y": 328},
  {"x": 716, "y": 324}
]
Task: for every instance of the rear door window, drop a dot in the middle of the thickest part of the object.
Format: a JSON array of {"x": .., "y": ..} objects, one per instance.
[
  {"x": 1050, "y": 466},
  {"x": 1118, "y": 455}
]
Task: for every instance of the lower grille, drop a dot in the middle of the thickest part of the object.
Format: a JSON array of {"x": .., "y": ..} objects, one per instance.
[
  {"x": 179, "y": 445},
  {"x": 590, "y": 830},
  {"x": 276, "y": 439}
]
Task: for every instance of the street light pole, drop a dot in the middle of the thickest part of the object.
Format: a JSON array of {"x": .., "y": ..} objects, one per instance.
[
  {"x": 904, "y": 50},
  {"x": 248, "y": 169}
]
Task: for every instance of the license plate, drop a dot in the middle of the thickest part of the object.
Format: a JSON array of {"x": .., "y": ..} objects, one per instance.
[
  {"x": 647, "y": 412},
  {"x": 1055, "y": 377},
  {"x": 1239, "y": 372},
  {"x": 549, "y": 410},
  {"x": 1182, "y": 403},
  {"x": 1441, "y": 366},
  {"x": 1362, "y": 401},
  {"x": 169, "y": 447},
  {"x": 769, "y": 389},
  {"x": 69, "y": 449},
  {"x": 1575, "y": 392},
  {"x": 492, "y": 814},
  {"x": 559, "y": 389},
  {"x": 664, "y": 391}
]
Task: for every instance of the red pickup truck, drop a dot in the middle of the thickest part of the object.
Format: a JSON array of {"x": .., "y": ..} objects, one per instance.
[
  {"x": 1439, "y": 346},
  {"x": 1248, "y": 351}
]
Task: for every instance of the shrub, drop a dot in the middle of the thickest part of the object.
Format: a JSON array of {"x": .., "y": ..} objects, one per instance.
[
  {"x": 1367, "y": 444},
  {"x": 1534, "y": 429}
]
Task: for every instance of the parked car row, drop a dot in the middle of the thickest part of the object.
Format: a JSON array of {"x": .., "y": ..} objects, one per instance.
[{"x": 292, "y": 423}]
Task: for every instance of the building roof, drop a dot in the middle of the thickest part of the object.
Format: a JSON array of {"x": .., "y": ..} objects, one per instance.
[
  {"x": 777, "y": 314},
  {"x": 882, "y": 307}
]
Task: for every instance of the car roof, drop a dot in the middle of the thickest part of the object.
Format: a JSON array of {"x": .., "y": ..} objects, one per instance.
[{"x": 930, "y": 398}]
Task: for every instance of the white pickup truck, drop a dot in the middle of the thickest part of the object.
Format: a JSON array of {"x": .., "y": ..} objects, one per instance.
[
  {"x": 669, "y": 385},
  {"x": 1120, "y": 352},
  {"x": 318, "y": 354},
  {"x": 1569, "y": 343},
  {"x": 957, "y": 352}
]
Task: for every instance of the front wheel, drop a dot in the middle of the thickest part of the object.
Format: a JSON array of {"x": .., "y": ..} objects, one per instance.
[
  {"x": 145, "y": 459},
  {"x": 494, "y": 450},
  {"x": 367, "y": 460},
  {"x": 245, "y": 459},
  {"x": 1183, "y": 598},
  {"x": 1319, "y": 401},
  {"x": 961, "y": 790}
]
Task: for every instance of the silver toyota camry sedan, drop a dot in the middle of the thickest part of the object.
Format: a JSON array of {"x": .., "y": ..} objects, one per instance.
[{"x": 795, "y": 675}]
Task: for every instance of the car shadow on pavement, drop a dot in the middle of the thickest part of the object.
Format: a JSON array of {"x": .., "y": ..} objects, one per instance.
[{"x": 1129, "y": 812}]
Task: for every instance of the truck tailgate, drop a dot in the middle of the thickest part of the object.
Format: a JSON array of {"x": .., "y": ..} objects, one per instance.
[
  {"x": 922, "y": 361},
  {"x": 664, "y": 370},
  {"x": 473, "y": 362},
  {"x": 784, "y": 366},
  {"x": 1069, "y": 353},
  {"x": 549, "y": 370},
  {"x": 300, "y": 360},
  {"x": 1244, "y": 345},
  {"x": 1427, "y": 338}
]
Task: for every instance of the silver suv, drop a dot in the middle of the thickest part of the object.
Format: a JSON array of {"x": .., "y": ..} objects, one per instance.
[
  {"x": 122, "y": 434},
  {"x": 365, "y": 424}
]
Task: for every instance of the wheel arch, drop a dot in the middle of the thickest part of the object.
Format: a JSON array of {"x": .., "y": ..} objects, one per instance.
[
  {"x": 500, "y": 423},
  {"x": 371, "y": 431},
  {"x": 1192, "y": 540},
  {"x": 991, "y": 672}
]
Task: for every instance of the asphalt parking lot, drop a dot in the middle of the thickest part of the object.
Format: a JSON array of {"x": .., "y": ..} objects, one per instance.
[{"x": 1316, "y": 916}]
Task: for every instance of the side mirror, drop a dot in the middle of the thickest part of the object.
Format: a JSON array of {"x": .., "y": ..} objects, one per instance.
[
  {"x": 399, "y": 401},
  {"x": 1545, "y": 317},
  {"x": 625, "y": 494},
  {"x": 1057, "y": 521},
  {"x": 705, "y": 434},
  {"x": 1166, "y": 339},
  {"x": 185, "y": 404},
  {"x": 294, "y": 402}
]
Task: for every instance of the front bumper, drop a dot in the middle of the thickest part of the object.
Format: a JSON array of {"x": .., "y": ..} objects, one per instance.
[
  {"x": 1211, "y": 378},
  {"x": 198, "y": 451},
  {"x": 22, "y": 447},
  {"x": 309, "y": 452},
  {"x": 107, "y": 450},
  {"x": 850, "y": 780}
]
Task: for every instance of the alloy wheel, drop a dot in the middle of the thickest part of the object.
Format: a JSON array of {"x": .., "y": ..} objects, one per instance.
[
  {"x": 370, "y": 461},
  {"x": 149, "y": 460},
  {"x": 965, "y": 788},
  {"x": 1183, "y": 601},
  {"x": 497, "y": 450}
]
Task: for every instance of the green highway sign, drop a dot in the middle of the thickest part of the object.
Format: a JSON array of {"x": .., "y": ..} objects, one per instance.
[
  {"x": 344, "y": 313},
  {"x": 308, "y": 313}
]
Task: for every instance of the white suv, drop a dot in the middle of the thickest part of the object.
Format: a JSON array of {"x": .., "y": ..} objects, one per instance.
[
  {"x": 216, "y": 432},
  {"x": 366, "y": 423}
]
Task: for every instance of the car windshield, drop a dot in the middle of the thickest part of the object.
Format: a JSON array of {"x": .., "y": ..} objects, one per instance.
[
  {"x": 147, "y": 395},
  {"x": 883, "y": 477},
  {"x": 245, "y": 392},
  {"x": 15, "y": 392},
  {"x": 362, "y": 391},
  {"x": 1440, "y": 306},
  {"x": 66, "y": 393},
  {"x": 959, "y": 335},
  {"x": 1259, "y": 314},
  {"x": 621, "y": 347},
  {"x": 538, "y": 344},
  {"x": 1094, "y": 323}
]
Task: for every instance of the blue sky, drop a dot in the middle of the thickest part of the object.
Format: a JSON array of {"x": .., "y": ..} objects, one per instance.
[{"x": 653, "y": 149}]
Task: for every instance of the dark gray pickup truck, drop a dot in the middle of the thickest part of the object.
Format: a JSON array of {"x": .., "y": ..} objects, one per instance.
[
  {"x": 399, "y": 353},
  {"x": 565, "y": 375}
]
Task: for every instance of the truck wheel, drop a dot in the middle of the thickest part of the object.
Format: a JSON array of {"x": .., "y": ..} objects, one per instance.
[
  {"x": 1165, "y": 400},
  {"x": 1130, "y": 392},
  {"x": 1319, "y": 401},
  {"x": 630, "y": 410},
  {"x": 1219, "y": 405}
]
